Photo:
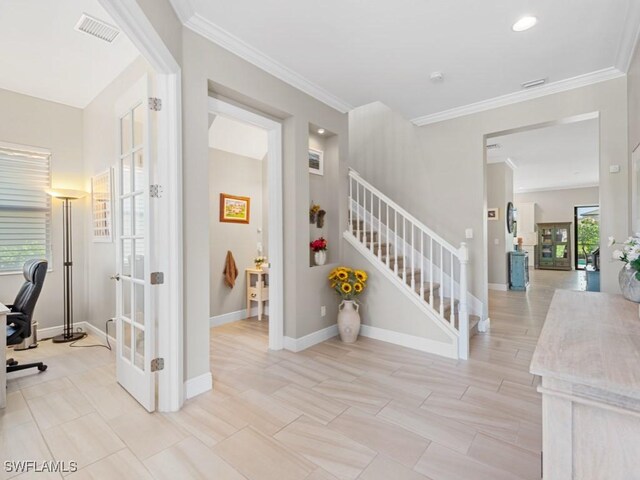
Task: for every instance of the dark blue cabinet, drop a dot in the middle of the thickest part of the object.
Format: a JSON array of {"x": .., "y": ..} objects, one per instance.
[{"x": 518, "y": 270}]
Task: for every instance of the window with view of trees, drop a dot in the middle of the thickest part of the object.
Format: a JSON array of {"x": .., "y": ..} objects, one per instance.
[{"x": 25, "y": 207}]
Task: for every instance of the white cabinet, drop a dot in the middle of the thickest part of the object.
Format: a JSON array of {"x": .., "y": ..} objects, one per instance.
[{"x": 526, "y": 218}]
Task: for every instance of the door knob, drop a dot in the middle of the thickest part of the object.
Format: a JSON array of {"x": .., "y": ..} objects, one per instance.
[{"x": 115, "y": 277}]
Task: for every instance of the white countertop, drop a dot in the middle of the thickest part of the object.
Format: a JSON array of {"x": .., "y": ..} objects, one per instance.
[{"x": 591, "y": 339}]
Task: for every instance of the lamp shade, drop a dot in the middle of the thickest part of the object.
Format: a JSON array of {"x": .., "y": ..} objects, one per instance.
[{"x": 66, "y": 194}]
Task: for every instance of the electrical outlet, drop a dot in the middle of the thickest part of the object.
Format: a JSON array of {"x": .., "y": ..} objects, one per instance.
[{"x": 323, "y": 311}]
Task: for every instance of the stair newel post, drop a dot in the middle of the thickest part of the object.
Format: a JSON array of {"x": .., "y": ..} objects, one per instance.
[
  {"x": 463, "y": 314},
  {"x": 452, "y": 315},
  {"x": 379, "y": 228}
]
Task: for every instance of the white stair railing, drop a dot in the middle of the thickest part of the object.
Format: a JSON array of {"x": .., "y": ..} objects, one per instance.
[{"x": 418, "y": 257}]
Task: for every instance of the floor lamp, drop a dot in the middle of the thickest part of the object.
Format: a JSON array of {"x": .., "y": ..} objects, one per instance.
[{"x": 67, "y": 196}]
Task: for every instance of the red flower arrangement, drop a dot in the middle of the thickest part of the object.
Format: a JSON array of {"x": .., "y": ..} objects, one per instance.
[{"x": 318, "y": 245}]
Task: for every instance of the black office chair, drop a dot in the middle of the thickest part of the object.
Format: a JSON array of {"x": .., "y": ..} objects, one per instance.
[{"x": 19, "y": 319}]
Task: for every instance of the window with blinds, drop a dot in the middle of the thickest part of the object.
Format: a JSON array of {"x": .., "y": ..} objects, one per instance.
[{"x": 25, "y": 208}]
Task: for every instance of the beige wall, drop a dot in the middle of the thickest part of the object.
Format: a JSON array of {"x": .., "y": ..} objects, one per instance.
[
  {"x": 209, "y": 68},
  {"x": 633, "y": 106},
  {"x": 40, "y": 123},
  {"x": 437, "y": 172},
  {"x": 235, "y": 175},
  {"x": 99, "y": 154},
  {"x": 557, "y": 205},
  {"x": 500, "y": 241},
  {"x": 455, "y": 154}
]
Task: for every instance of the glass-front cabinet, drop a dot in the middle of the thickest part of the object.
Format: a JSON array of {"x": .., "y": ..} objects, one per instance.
[{"x": 554, "y": 246}]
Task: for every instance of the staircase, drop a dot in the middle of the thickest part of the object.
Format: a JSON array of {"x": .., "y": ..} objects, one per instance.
[{"x": 429, "y": 270}]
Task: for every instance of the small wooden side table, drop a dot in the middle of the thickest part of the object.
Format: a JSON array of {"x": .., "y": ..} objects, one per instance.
[{"x": 257, "y": 289}]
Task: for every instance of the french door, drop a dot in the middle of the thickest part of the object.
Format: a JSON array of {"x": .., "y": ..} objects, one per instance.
[{"x": 135, "y": 335}]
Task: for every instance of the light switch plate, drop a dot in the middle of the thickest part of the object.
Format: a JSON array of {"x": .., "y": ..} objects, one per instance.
[
  {"x": 468, "y": 233},
  {"x": 323, "y": 311},
  {"x": 614, "y": 168}
]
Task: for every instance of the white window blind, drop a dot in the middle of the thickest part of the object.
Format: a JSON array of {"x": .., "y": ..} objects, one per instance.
[{"x": 25, "y": 208}]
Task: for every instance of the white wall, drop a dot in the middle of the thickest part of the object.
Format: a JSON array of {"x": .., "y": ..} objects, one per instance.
[
  {"x": 40, "y": 123},
  {"x": 235, "y": 175},
  {"x": 99, "y": 154},
  {"x": 499, "y": 192}
]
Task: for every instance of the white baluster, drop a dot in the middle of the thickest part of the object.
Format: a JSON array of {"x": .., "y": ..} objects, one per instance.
[
  {"x": 452, "y": 317},
  {"x": 371, "y": 226},
  {"x": 431, "y": 269},
  {"x": 358, "y": 232},
  {"x": 350, "y": 204},
  {"x": 413, "y": 261},
  {"x": 463, "y": 313},
  {"x": 379, "y": 228},
  {"x": 422, "y": 264},
  {"x": 404, "y": 250},
  {"x": 395, "y": 247},
  {"x": 388, "y": 249},
  {"x": 441, "y": 282}
]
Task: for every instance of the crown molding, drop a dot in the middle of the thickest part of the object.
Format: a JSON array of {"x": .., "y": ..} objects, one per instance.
[
  {"x": 521, "y": 96},
  {"x": 184, "y": 9},
  {"x": 200, "y": 25},
  {"x": 629, "y": 38},
  {"x": 551, "y": 189}
]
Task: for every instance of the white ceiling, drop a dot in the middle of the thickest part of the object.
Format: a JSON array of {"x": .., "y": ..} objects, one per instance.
[
  {"x": 353, "y": 52},
  {"x": 43, "y": 56},
  {"x": 240, "y": 138},
  {"x": 557, "y": 157}
]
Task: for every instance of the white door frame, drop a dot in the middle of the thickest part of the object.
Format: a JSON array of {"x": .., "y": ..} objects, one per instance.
[
  {"x": 133, "y": 22},
  {"x": 275, "y": 208}
]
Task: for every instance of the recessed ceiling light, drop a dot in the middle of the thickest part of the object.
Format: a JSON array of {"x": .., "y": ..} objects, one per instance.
[
  {"x": 321, "y": 131},
  {"x": 525, "y": 23}
]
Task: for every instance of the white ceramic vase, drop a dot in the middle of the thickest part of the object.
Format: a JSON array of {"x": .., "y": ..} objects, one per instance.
[
  {"x": 320, "y": 257},
  {"x": 348, "y": 321},
  {"x": 629, "y": 284}
]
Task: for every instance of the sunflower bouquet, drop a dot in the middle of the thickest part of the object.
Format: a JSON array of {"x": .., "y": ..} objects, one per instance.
[{"x": 347, "y": 282}]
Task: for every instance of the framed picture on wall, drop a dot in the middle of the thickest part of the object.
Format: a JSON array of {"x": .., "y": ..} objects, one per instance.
[
  {"x": 101, "y": 207},
  {"x": 234, "y": 209},
  {"x": 316, "y": 161},
  {"x": 493, "y": 214}
]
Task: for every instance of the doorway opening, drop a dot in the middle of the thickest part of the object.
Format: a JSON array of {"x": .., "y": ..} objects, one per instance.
[
  {"x": 545, "y": 170},
  {"x": 246, "y": 223},
  {"x": 587, "y": 236}
]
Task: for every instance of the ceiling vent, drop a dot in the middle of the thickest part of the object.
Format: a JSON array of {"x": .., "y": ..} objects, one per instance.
[
  {"x": 97, "y": 28},
  {"x": 534, "y": 83},
  {"x": 494, "y": 146}
]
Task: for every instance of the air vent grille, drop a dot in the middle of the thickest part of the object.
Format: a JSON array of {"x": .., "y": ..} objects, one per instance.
[
  {"x": 97, "y": 28},
  {"x": 494, "y": 146}
]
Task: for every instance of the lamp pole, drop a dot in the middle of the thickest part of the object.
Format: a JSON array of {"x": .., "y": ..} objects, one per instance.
[{"x": 67, "y": 335}]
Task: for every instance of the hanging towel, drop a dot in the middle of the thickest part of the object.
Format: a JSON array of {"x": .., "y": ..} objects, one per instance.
[{"x": 230, "y": 270}]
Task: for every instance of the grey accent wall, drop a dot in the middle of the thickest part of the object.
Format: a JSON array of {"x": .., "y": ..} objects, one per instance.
[
  {"x": 500, "y": 241},
  {"x": 235, "y": 175},
  {"x": 34, "y": 122},
  {"x": 100, "y": 130}
]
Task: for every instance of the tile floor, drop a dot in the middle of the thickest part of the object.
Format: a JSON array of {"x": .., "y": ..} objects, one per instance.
[{"x": 368, "y": 411}]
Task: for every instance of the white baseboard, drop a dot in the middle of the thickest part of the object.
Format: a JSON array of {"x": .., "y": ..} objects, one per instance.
[
  {"x": 44, "y": 333},
  {"x": 92, "y": 329},
  {"x": 218, "y": 320},
  {"x": 501, "y": 287},
  {"x": 410, "y": 341},
  {"x": 484, "y": 325},
  {"x": 299, "y": 344},
  {"x": 196, "y": 386}
]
